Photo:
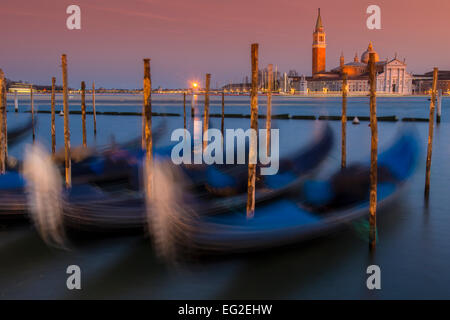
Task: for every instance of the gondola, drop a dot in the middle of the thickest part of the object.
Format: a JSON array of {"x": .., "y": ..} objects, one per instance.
[
  {"x": 105, "y": 164},
  {"x": 110, "y": 163},
  {"x": 293, "y": 169},
  {"x": 85, "y": 207},
  {"x": 317, "y": 207},
  {"x": 17, "y": 134}
]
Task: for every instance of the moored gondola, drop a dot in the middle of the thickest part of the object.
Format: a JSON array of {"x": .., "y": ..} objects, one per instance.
[
  {"x": 87, "y": 207},
  {"x": 17, "y": 134},
  {"x": 317, "y": 207}
]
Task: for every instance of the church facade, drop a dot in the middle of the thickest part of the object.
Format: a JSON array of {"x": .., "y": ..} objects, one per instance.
[
  {"x": 394, "y": 78},
  {"x": 391, "y": 78}
]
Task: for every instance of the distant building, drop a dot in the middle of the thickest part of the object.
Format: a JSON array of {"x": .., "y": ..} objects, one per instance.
[
  {"x": 422, "y": 84},
  {"x": 285, "y": 82},
  {"x": 303, "y": 85},
  {"x": 263, "y": 79},
  {"x": 391, "y": 75},
  {"x": 237, "y": 87},
  {"x": 19, "y": 88},
  {"x": 394, "y": 78},
  {"x": 319, "y": 48}
]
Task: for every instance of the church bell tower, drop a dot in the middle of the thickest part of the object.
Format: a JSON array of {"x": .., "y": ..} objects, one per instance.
[{"x": 318, "y": 48}]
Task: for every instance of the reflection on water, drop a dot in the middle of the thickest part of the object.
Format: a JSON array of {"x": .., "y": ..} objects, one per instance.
[{"x": 414, "y": 242}]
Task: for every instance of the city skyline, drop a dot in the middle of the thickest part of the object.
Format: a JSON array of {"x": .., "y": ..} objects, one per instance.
[{"x": 187, "y": 40}]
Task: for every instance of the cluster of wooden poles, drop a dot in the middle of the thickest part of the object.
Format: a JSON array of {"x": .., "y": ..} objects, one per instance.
[
  {"x": 147, "y": 143},
  {"x": 147, "y": 137},
  {"x": 67, "y": 157},
  {"x": 374, "y": 141},
  {"x": 3, "y": 124},
  {"x": 206, "y": 111},
  {"x": 3, "y": 119}
]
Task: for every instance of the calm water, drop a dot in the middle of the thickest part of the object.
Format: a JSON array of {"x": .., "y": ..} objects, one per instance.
[{"x": 414, "y": 243}]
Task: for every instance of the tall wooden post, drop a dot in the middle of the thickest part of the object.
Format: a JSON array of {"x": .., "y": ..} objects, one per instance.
[
  {"x": 269, "y": 106},
  {"x": 2, "y": 113},
  {"x": 144, "y": 124},
  {"x": 254, "y": 126},
  {"x": 373, "y": 153},
  {"x": 93, "y": 108},
  {"x": 192, "y": 105},
  {"x": 222, "y": 125},
  {"x": 439, "y": 106},
  {"x": 67, "y": 160},
  {"x": 206, "y": 112},
  {"x": 430, "y": 133},
  {"x": 147, "y": 86},
  {"x": 5, "y": 122},
  {"x": 53, "y": 116},
  {"x": 344, "y": 121},
  {"x": 83, "y": 112},
  {"x": 184, "y": 109},
  {"x": 32, "y": 110}
]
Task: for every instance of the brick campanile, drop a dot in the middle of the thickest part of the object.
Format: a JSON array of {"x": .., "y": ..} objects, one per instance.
[{"x": 318, "y": 48}]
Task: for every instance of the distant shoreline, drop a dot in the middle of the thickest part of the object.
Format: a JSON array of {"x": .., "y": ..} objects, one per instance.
[{"x": 77, "y": 95}]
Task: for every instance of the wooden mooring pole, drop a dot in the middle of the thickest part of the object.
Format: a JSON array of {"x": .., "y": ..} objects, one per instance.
[
  {"x": 5, "y": 122},
  {"x": 67, "y": 160},
  {"x": 254, "y": 126},
  {"x": 269, "y": 107},
  {"x": 344, "y": 121},
  {"x": 206, "y": 112},
  {"x": 83, "y": 112},
  {"x": 222, "y": 124},
  {"x": 430, "y": 133},
  {"x": 192, "y": 105},
  {"x": 93, "y": 108},
  {"x": 373, "y": 153},
  {"x": 147, "y": 86},
  {"x": 53, "y": 116},
  {"x": 32, "y": 111},
  {"x": 184, "y": 109},
  {"x": 2, "y": 114},
  {"x": 144, "y": 102}
]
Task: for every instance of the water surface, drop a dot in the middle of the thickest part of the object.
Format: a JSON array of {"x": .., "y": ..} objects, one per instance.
[{"x": 414, "y": 242}]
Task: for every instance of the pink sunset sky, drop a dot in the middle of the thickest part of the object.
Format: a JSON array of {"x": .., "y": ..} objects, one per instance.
[{"x": 187, "y": 38}]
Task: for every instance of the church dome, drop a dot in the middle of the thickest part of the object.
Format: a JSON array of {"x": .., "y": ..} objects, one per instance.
[{"x": 366, "y": 55}]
